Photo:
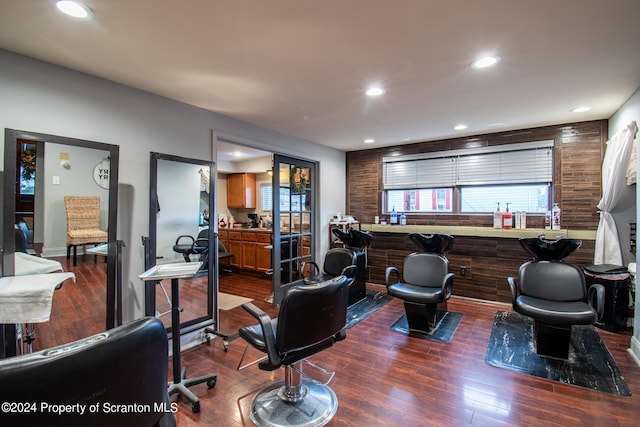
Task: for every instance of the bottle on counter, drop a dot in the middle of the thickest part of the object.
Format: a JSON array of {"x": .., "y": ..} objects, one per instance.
[
  {"x": 507, "y": 219},
  {"x": 555, "y": 217},
  {"x": 517, "y": 219},
  {"x": 403, "y": 219},
  {"x": 497, "y": 218},
  {"x": 393, "y": 217},
  {"x": 523, "y": 219},
  {"x": 547, "y": 220}
]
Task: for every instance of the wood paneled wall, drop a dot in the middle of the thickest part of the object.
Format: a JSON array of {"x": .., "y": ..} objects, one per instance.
[{"x": 578, "y": 152}]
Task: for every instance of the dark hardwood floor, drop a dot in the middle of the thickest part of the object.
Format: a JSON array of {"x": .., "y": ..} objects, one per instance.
[{"x": 383, "y": 378}]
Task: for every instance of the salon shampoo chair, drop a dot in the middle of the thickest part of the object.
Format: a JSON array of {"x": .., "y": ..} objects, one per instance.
[
  {"x": 337, "y": 262},
  {"x": 126, "y": 366},
  {"x": 311, "y": 318},
  {"x": 424, "y": 283},
  {"x": 358, "y": 242},
  {"x": 554, "y": 294}
]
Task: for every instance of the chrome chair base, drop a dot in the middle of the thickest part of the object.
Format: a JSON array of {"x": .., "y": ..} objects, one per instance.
[{"x": 314, "y": 405}]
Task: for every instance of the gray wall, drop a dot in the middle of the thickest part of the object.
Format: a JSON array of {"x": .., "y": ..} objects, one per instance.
[
  {"x": 45, "y": 98},
  {"x": 629, "y": 111}
]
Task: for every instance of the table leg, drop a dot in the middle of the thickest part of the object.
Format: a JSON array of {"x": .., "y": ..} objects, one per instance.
[{"x": 180, "y": 383}]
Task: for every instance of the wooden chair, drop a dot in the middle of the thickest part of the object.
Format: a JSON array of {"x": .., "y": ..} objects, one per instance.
[{"x": 83, "y": 223}]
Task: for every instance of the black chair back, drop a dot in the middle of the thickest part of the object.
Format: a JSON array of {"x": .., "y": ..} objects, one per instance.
[
  {"x": 312, "y": 314},
  {"x": 337, "y": 259},
  {"x": 425, "y": 269},
  {"x": 125, "y": 365},
  {"x": 552, "y": 280}
]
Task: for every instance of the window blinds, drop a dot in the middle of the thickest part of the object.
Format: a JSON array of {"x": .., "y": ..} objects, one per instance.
[{"x": 510, "y": 164}]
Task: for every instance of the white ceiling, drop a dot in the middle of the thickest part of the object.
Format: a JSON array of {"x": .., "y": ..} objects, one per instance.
[{"x": 302, "y": 67}]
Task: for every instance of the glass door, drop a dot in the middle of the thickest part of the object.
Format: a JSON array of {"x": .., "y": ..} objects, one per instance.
[{"x": 294, "y": 200}]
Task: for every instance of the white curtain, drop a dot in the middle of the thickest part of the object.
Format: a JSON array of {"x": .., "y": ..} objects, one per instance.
[{"x": 614, "y": 167}]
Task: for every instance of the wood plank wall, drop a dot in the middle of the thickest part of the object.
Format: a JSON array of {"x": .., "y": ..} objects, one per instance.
[{"x": 578, "y": 152}]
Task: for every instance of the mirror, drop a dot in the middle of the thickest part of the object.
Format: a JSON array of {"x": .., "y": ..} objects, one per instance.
[
  {"x": 39, "y": 170},
  {"x": 181, "y": 200}
]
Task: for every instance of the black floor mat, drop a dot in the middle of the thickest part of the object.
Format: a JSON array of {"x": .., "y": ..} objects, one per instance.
[
  {"x": 446, "y": 325},
  {"x": 590, "y": 364},
  {"x": 365, "y": 307}
]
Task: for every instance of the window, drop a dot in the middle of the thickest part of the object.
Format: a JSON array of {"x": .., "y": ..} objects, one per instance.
[
  {"x": 266, "y": 198},
  {"x": 473, "y": 180},
  {"x": 421, "y": 200},
  {"x": 288, "y": 202}
]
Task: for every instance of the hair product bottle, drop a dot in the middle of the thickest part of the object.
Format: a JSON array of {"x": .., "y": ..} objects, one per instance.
[
  {"x": 393, "y": 217},
  {"x": 555, "y": 215},
  {"x": 497, "y": 217},
  {"x": 507, "y": 218}
]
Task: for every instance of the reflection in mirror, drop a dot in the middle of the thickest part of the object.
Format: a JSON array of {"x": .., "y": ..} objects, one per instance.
[
  {"x": 181, "y": 199},
  {"x": 39, "y": 171}
]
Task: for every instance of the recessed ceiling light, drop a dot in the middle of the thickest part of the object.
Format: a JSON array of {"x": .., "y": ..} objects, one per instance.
[
  {"x": 496, "y": 124},
  {"x": 74, "y": 9},
  {"x": 369, "y": 141},
  {"x": 237, "y": 153},
  {"x": 580, "y": 109},
  {"x": 486, "y": 61},
  {"x": 460, "y": 127},
  {"x": 375, "y": 91}
]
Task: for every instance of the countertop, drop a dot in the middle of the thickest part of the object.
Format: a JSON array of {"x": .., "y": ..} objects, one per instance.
[{"x": 514, "y": 233}]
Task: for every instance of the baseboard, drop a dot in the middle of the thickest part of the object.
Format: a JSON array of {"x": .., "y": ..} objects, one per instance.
[{"x": 634, "y": 350}]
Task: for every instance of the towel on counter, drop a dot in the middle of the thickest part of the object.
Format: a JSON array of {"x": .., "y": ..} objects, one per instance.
[
  {"x": 26, "y": 264},
  {"x": 28, "y": 299}
]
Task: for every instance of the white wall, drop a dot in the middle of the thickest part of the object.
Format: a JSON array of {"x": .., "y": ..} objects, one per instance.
[
  {"x": 45, "y": 98},
  {"x": 76, "y": 180},
  {"x": 628, "y": 112}
]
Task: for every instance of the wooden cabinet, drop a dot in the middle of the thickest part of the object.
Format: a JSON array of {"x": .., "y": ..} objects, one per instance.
[
  {"x": 241, "y": 190},
  {"x": 235, "y": 247},
  {"x": 252, "y": 250},
  {"x": 305, "y": 252},
  {"x": 249, "y": 250},
  {"x": 263, "y": 252}
]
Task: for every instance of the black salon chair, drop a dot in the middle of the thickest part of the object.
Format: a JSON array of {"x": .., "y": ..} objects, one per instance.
[
  {"x": 336, "y": 261},
  {"x": 357, "y": 241},
  {"x": 311, "y": 318},
  {"x": 223, "y": 254},
  {"x": 188, "y": 245},
  {"x": 425, "y": 282},
  {"x": 126, "y": 365},
  {"x": 554, "y": 295}
]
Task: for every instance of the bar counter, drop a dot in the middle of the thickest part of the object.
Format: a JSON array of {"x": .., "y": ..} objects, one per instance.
[
  {"x": 513, "y": 233},
  {"x": 487, "y": 256}
]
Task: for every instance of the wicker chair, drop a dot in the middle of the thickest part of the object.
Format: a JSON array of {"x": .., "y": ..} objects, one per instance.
[{"x": 83, "y": 223}]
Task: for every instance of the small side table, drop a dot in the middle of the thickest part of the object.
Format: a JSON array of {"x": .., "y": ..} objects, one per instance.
[{"x": 175, "y": 272}]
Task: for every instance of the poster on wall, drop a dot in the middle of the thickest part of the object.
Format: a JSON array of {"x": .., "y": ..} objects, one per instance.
[{"x": 101, "y": 173}]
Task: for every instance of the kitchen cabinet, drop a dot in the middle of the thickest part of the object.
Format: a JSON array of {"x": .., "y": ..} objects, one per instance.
[
  {"x": 235, "y": 247},
  {"x": 249, "y": 250},
  {"x": 263, "y": 252},
  {"x": 241, "y": 190}
]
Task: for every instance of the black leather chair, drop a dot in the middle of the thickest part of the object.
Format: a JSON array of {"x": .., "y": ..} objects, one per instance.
[
  {"x": 554, "y": 295},
  {"x": 337, "y": 262},
  {"x": 188, "y": 245},
  {"x": 425, "y": 282},
  {"x": 358, "y": 241},
  {"x": 126, "y": 365},
  {"x": 311, "y": 318}
]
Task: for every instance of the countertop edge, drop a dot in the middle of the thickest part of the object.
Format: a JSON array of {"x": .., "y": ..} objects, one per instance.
[{"x": 514, "y": 233}]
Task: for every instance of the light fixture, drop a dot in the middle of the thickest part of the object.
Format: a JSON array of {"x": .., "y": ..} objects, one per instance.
[
  {"x": 460, "y": 127},
  {"x": 75, "y": 9},
  {"x": 375, "y": 91},
  {"x": 485, "y": 61},
  {"x": 580, "y": 109},
  {"x": 270, "y": 172},
  {"x": 369, "y": 141}
]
